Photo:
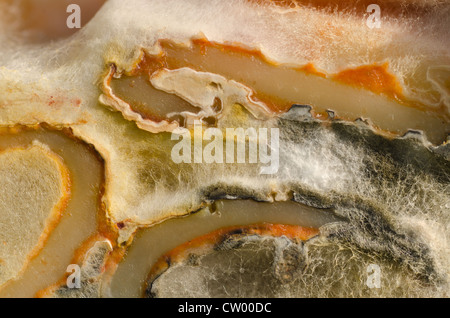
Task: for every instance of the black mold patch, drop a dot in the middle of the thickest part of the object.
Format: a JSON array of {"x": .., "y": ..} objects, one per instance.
[
  {"x": 403, "y": 151},
  {"x": 298, "y": 112},
  {"x": 311, "y": 198},
  {"x": 231, "y": 192}
]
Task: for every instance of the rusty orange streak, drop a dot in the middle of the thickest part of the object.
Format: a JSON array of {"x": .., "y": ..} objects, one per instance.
[
  {"x": 294, "y": 232},
  {"x": 263, "y": 229},
  {"x": 375, "y": 78}
]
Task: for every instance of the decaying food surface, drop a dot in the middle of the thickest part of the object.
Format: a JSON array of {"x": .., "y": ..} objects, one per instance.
[
  {"x": 246, "y": 77},
  {"x": 35, "y": 185},
  {"x": 78, "y": 218},
  {"x": 130, "y": 277},
  {"x": 253, "y": 262},
  {"x": 245, "y": 256},
  {"x": 89, "y": 124}
]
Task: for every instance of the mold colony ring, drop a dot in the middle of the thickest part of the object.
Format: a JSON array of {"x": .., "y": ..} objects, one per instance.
[{"x": 268, "y": 149}]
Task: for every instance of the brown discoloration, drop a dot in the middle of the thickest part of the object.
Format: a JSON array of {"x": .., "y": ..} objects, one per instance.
[
  {"x": 120, "y": 225},
  {"x": 45, "y": 20}
]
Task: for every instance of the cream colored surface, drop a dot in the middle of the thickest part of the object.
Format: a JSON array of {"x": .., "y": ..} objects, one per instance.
[
  {"x": 79, "y": 221},
  {"x": 34, "y": 187}
]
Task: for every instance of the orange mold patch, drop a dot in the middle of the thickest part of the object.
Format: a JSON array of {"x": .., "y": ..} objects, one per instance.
[
  {"x": 368, "y": 91},
  {"x": 205, "y": 242},
  {"x": 375, "y": 78}
]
